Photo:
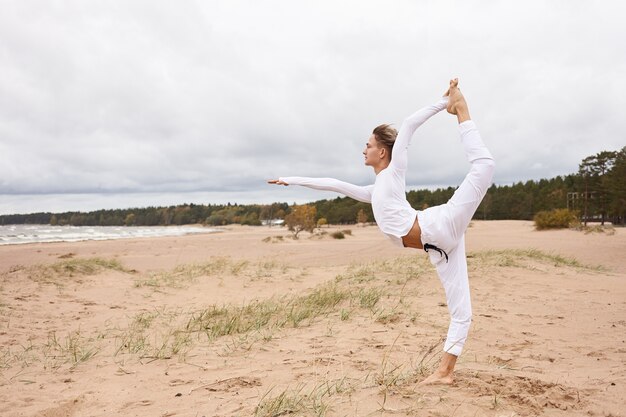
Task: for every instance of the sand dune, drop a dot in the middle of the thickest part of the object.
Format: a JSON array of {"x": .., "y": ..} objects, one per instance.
[{"x": 247, "y": 323}]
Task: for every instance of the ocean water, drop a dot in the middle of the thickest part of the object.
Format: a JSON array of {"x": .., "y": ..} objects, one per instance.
[{"x": 41, "y": 233}]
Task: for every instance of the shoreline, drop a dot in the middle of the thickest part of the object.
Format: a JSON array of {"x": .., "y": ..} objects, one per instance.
[{"x": 44, "y": 233}]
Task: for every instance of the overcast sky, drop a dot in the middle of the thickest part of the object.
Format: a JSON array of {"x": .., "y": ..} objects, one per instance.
[{"x": 107, "y": 104}]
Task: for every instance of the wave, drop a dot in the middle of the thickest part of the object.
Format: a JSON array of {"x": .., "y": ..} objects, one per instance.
[{"x": 30, "y": 233}]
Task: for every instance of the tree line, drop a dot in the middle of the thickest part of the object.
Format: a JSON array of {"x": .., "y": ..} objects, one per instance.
[{"x": 597, "y": 192}]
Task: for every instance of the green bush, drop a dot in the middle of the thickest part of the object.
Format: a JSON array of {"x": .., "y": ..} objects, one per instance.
[{"x": 555, "y": 219}]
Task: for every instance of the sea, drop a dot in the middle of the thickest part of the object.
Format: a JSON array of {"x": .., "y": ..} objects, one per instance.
[{"x": 43, "y": 233}]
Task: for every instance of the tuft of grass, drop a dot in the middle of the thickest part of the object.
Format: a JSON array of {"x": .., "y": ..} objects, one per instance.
[
  {"x": 314, "y": 401},
  {"x": 164, "y": 344},
  {"x": 387, "y": 317},
  {"x": 73, "y": 268},
  {"x": 285, "y": 403},
  {"x": 73, "y": 349},
  {"x": 358, "y": 274},
  {"x": 369, "y": 297},
  {"x": 25, "y": 357},
  {"x": 87, "y": 266}
]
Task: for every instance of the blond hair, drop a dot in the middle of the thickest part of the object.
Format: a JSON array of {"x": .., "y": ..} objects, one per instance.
[{"x": 385, "y": 136}]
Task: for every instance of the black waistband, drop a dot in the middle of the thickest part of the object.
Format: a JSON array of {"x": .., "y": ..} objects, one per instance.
[{"x": 441, "y": 251}]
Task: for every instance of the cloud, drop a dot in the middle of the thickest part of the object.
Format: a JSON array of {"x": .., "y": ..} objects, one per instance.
[{"x": 214, "y": 97}]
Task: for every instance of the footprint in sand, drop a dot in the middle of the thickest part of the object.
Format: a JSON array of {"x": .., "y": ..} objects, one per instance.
[
  {"x": 142, "y": 403},
  {"x": 176, "y": 382},
  {"x": 524, "y": 392},
  {"x": 65, "y": 409}
]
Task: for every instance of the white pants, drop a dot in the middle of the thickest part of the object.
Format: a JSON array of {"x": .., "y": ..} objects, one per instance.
[{"x": 444, "y": 226}]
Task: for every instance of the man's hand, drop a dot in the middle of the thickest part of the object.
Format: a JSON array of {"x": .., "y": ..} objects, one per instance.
[{"x": 277, "y": 182}]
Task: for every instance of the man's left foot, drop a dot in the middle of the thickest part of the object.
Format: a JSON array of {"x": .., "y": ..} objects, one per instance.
[{"x": 456, "y": 102}]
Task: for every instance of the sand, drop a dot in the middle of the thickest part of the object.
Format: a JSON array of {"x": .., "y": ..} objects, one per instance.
[{"x": 249, "y": 322}]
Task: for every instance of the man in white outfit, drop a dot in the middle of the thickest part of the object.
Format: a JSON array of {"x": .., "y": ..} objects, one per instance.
[{"x": 439, "y": 230}]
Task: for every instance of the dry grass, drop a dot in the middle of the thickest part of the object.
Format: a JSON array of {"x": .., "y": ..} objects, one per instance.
[
  {"x": 524, "y": 258},
  {"x": 604, "y": 229},
  {"x": 376, "y": 290},
  {"x": 73, "y": 348},
  {"x": 184, "y": 275},
  {"x": 303, "y": 401},
  {"x": 361, "y": 288},
  {"x": 59, "y": 272}
]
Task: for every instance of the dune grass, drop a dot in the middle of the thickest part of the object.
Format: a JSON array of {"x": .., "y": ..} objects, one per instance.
[
  {"x": 520, "y": 258},
  {"x": 276, "y": 313},
  {"x": 176, "y": 331},
  {"x": 184, "y": 275},
  {"x": 291, "y": 402},
  {"x": 57, "y": 272},
  {"x": 164, "y": 333},
  {"x": 378, "y": 289},
  {"x": 309, "y": 401},
  {"x": 152, "y": 334}
]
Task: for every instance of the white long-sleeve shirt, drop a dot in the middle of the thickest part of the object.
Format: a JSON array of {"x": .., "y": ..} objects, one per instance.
[{"x": 393, "y": 213}]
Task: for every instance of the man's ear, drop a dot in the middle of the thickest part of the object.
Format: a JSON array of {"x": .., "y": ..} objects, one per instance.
[{"x": 383, "y": 152}]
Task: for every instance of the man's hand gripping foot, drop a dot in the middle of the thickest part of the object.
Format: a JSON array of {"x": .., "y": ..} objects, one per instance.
[{"x": 456, "y": 103}]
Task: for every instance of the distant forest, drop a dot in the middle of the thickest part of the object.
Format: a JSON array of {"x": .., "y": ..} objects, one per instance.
[{"x": 597, "y": 192}]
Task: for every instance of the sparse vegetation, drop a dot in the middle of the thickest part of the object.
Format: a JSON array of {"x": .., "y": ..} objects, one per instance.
[
  {"x": 274, "y": 239},
  {"x": 73, "y": 349},
  {"x": 521, "y": 258},
  {"x": 184, "y": 275},
  {"x": 56, "y": 272},
  {"x": 609, "y": 230},
  {"x": 217, "y": 321}
]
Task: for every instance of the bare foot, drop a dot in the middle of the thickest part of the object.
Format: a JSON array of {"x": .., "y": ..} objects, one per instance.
[
  {"x": 456, "y": 103},
  {"x": 444, "y": 373},
  {"x": 438, "y": 378}
]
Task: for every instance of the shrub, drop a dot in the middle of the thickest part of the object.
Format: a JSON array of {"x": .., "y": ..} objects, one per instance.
[
  {"x": 555, "y": 219},
  {"x": 338, "y": 235}
]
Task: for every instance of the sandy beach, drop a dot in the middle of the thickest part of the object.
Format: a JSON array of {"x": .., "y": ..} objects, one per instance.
[{"x": 249, "y": 322}]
